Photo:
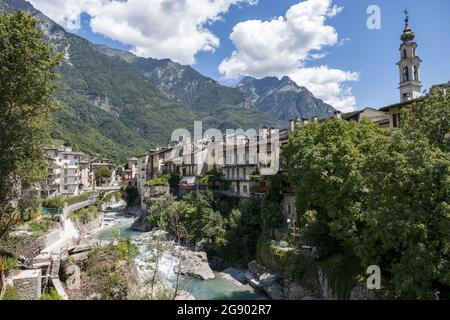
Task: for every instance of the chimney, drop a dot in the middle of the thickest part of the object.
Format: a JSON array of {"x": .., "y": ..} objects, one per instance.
[
  {"x": 305, "y": 121},
  {"x": 293, "y": 123},
  {"x": 337, "y": 114},
  {"x": 315, "y": 119}
]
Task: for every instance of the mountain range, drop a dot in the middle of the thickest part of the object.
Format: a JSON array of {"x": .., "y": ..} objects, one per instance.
[{"x": 118, "y": 105}]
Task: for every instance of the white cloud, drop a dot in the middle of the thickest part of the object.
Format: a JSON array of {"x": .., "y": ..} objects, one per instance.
[
  {"x": 327, "y": 84},
  {"x": 175, "y": 29},
  {"x": 281, "y": 46}
]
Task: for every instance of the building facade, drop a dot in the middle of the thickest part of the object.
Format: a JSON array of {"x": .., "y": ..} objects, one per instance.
[{"x": 65, "y": 171}]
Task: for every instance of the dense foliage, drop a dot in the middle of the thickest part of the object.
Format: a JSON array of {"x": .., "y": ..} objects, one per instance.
[
  {"x": 51, "y": 294},
  {"x": 54, "y": 203},
  {"x": 76, "y": 199},
  {"x": 87, "y": 215},
  {"x": 26, "y": 107},
  {"x": 227, "y": 228},
  {"x": 378, "y": 197},
  {"x": 106, "y": 272},
  {"x": 101, "y": 174},
  {"x": 159, "y": 181}
]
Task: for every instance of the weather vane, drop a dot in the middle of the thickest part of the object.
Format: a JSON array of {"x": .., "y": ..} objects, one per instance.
[{"x": 406, "y": 12}]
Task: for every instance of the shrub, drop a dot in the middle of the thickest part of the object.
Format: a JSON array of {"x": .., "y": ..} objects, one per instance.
[
  {"x": 126, "y": 250},
  {"x": 163, "y": 180},
  {"x": 54, "y": 203},
  {"x": 86, "y": 215},
  {"x": 76, "y": 199},
  {"x": 11, "y": 293},
  {"x": 8, "y": 264},
  {"x": 51, "y": 294}
]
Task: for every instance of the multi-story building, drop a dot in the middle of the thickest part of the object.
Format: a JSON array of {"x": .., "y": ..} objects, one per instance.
[
  {"x": 65, "y": 174},
  {"x": 85, "y": 170},
  {"x": 239, "y": 162},
  {"x": 130, "y": 175}
]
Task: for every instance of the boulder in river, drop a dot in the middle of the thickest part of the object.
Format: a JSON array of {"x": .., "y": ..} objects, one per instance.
[{"x": 195, "y": 264}]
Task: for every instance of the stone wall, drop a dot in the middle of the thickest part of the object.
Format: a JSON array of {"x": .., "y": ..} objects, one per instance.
[
  {"x": 50, "y": 238},
  {"x": 28, "y": 284}
]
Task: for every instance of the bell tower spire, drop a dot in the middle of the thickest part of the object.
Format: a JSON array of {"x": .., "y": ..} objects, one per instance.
[{"x": 409, "y": 65}]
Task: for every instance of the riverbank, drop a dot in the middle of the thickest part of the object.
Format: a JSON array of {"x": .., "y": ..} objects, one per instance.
[{"x": 196, "y": 278}]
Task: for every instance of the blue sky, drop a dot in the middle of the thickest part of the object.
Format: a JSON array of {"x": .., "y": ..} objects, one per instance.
[{"x": 358, "y": 68}]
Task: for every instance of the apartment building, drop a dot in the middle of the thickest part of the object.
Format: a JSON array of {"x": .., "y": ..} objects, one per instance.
[
  {"x": 65, "y": 171},
  {"x": 130, "y": 175},
  {"x": 85, "y": 170}
]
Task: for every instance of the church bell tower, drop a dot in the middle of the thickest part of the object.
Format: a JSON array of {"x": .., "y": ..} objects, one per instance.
[{"x": 409, "y": 65}]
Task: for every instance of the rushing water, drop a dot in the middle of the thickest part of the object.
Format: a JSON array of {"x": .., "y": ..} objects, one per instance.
[
  {"x": 121, "y": 223},
  {"x": 215, "y": 289}
]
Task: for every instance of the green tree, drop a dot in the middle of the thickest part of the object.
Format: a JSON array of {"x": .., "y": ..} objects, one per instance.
[
  {"x": 429, "y": 117},
  {"x": 26, "y": 107},
  {"x": 211, "y": 179},
  {"x": 101, "y": 174},
  {"x": 243, "y": 227},
  {"x": 271, "y": 205},
  {"x": 375, "y": 196}
]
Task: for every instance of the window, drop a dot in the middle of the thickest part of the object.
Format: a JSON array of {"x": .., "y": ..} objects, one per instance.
[
  {"x": 396, "y": 120},
  {"x": 416, "y": 73},
  {"x": 405, "y": 74},
  {"x": 245, "y": 189},
  {"x": 404, "y": 53}
]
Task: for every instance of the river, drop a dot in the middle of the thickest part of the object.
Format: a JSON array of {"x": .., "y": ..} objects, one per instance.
[{"x": 215, "y": 289}]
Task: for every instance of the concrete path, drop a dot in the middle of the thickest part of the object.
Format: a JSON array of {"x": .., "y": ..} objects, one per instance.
[{"x": 69, "y": 233}]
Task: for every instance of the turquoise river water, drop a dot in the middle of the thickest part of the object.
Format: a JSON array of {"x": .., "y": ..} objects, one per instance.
[{"x": 216, "y": 289}]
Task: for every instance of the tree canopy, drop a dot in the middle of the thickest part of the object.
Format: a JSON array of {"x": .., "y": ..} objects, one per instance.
[
  {"x": 26, "y": 106},
  {"x": 378, "y": 196},
  {"x": 101, "y": 174}
]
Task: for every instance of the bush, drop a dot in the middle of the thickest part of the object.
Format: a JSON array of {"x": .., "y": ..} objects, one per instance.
[
  {"x": 126, "y": 250},
  {"x": 86, "y": 215},
  {"x": 163, "y": 180},
  {"x": 42, "y": 226},
  {"x": 76, "y": 199},
  {"x": 106, "y": 275},
  {"x": 11, "y": 293},
  {"x": 8, "y": 264},
  {"x": 289, "y": 263},
  {"x": 51, "y": 295},
  {"x": 53, "y": 203}
]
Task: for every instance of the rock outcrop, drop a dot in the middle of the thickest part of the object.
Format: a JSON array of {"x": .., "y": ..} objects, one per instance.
[
  {"x": 195, "y": 264},
  {"x": 276, "y": 287}
]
